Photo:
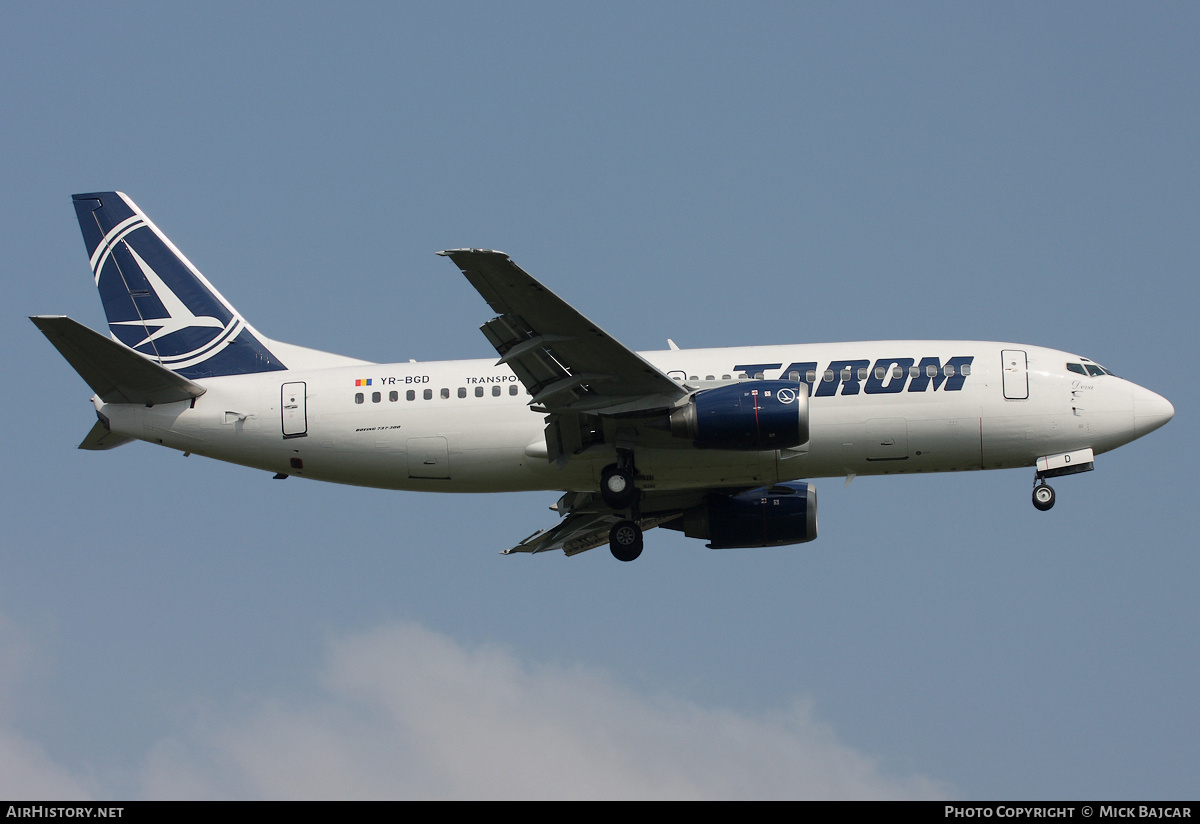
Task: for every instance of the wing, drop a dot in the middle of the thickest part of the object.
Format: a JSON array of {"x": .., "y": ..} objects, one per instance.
[
  {"x": 576, "y": 373},
  {"x": 568, "y": 364},
  {"x": 587, "y": 520},
  {"x": 577, "y": 532}
]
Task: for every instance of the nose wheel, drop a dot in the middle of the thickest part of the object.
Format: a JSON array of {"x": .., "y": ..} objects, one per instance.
[{"x": 1043, "y": 496}]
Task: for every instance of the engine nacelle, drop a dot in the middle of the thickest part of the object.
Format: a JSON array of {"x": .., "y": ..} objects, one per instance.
[
  {"x": 749, "y": 415},
  {"x": 781, "y": 515}
]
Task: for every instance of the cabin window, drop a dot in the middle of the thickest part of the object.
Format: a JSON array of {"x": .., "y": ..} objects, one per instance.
[
  {"x": 949, "y": 370},
  {"x": 897, "y": 372},
  {"x": 428, "y": 393},
  {"x": 693, "y": 378},
  {"x": 709, "y": 378},
  {"x": 512, "y": 389},
  {"x": 862, "y": 373},
  {"x": 811, "y": 377},
  {"x": 495, "y": 391},
  {"x": 966, "y": 370},
  {"x": 393, "y": 396},
  {"x": 914, "y": 371},
  {"x": 358, "y": 397},
  {"x": 879, "y": 373},
  {"x": 445, "y": 393},
  {"x": 376, "y": 397},
  {"x": 724, "y": 377},
  {"x": 410, "y": 395},
  {"x": 931, "y": 371},
  {"x": 479, "y": 391},
  {"x": 828, "y": 378},
  {"x": 846, "y": 374}
]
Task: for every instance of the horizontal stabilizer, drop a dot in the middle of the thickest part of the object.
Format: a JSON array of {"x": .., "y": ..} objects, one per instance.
[
  {"x": 114, "y": 371},
  {"x": 100, "y": 438}
]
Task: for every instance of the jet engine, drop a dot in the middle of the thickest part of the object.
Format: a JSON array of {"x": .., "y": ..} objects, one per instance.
[
  {"x": 749, "y": 415},
  {"x": 776, "y": 516}
]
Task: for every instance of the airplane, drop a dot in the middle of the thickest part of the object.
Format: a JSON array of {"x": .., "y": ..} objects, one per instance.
[{"x": 720, "y": 444}]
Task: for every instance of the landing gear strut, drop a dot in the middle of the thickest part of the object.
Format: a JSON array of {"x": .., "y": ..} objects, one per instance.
[
  {"x": 619, "y": 493},
  {"x": 625, "y": 540},
  {"x": 1043, "y": 495}
]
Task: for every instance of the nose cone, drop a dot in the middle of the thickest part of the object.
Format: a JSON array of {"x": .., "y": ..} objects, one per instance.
[{"x": 1150, "y": 411}]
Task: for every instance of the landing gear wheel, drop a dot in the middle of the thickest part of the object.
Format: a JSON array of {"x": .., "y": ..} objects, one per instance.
[
  {"x": 1043, "y": 497},
  {"x": 616, "y": 487},
  {"x": 625, "y": 540}
]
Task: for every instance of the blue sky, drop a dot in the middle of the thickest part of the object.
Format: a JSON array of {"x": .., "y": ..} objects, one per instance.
[{"x": 717, "y": 174}]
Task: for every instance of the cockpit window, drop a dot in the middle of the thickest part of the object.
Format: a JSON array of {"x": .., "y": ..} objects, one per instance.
[{"x": 1093, "y": 370}]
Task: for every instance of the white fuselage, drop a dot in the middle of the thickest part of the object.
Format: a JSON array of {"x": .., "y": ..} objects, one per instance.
[{"x": 465, "y": 426}]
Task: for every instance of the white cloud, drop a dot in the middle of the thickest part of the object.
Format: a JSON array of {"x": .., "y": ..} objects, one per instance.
[
  {"x": 409, "y": 713},
  {"x": 27, "y": 772},
  {"x": 404, "y": 712}
]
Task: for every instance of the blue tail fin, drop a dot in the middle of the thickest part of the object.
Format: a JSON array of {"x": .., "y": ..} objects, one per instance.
[{"x": 157, "y": 302}]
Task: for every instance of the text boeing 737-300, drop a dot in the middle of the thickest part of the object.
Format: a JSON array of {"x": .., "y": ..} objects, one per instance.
[{"x": 710, "y": 442}]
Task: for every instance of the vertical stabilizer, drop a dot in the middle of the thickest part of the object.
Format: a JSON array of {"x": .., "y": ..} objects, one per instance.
[{"x": 156, "y": 302}]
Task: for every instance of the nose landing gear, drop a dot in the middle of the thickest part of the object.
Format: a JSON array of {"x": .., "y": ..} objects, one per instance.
[{"x": 1055, "y": 466}]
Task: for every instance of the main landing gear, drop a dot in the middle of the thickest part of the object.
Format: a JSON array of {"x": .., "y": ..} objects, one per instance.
[
  {"x": 619, "y": 493},
  {"x": 625, "y": 540},
  {"x": 1043, "y": 495},
  {"x": 616, "y": 486}
]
